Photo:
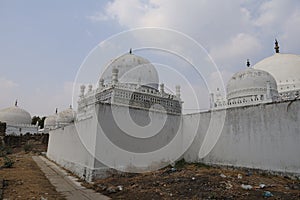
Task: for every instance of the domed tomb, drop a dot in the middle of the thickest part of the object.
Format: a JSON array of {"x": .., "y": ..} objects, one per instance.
[
  {"x": 66, "y": 117},
  {"x": 50, "y": 121},
  {"x": 285, "y": 68},
  {"x": 132, "y": 69},
  {"x": 15, "y": 115},
  {"x": 251, "y": 85}
]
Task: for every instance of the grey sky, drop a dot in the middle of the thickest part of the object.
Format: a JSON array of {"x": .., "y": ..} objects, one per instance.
[{"x": 43, "y": 43}]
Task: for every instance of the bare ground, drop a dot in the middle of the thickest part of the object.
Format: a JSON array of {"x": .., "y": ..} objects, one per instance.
[
  {"x": 196, "y": 181},
  {"x": 185, "y": 181}
]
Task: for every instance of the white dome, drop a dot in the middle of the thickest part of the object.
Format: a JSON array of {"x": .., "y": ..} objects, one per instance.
[
  {"x": 132, "y": 69},
  {"x": 15, "y": 115},
  {"x": 65, "y": 117},
  {"x": 251, "y": 82},
  {"x": 50, "y": 121},
  {"x": 285, "y": 68}
]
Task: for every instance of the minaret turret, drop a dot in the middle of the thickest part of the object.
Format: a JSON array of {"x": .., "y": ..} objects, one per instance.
[
  {"x": 82, "y": 88},
  {"x": 276, "y": 46},
  {"x": 114, "y": 77}
]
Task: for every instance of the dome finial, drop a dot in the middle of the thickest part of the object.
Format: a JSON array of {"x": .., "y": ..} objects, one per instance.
[
  {"x": 16, "y": 103},
  {"x": 130, "y": 51},
  {"x": 276, "y": 46},
  {"x": 248, "y": 63},
  {"x": 56, "y": 111}
]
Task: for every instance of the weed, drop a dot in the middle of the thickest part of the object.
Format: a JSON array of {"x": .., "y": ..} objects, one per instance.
[
  {"x": 28, "y": 147},
  {"x": 8, "y": 163}
]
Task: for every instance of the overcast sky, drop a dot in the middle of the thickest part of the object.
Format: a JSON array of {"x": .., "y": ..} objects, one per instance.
[{"x": 43, "y": 43}]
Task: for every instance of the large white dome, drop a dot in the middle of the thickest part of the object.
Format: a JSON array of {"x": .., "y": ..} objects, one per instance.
[
  {"x": 285, "y": 68},
  {"x": 15, "y": 115},
  {"x": 132, "y": 69},
  {"x": 251, "y": 82}
]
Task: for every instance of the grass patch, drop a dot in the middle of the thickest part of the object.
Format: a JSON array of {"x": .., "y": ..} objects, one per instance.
[
  {"x": 28, "y": 147},
  {"x": 8, "y": 163},
  {"x": 201, "y": 165},
  {"x": 180, "y": 164},
  {"x": 5, "y": 150}
]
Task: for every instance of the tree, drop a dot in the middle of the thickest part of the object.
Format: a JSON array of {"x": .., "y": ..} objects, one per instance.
[{"x": 36, "y": 119}]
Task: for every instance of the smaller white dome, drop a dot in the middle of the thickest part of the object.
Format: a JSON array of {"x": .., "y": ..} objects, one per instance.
[
  {"x": 15, "y": 115},
  {"x": 251, "y": 82},
  {"x": 50, "y": 121},
  {"x": 66, "y": 117}
]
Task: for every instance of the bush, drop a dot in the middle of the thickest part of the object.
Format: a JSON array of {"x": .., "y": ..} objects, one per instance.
[
  {"x": 8, "y": 163},
  {"x": 5, "y": 150},
  {"x": 28, "y": 147},
  {"x": 180, "y": 164}
]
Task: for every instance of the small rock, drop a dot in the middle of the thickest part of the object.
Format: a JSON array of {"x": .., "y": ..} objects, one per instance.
[
  {"x": 246, "y": 187},
  {"x": 286, "y": 187},
  {"x": 223, "y": 175},
  {"x": 267, "y": 194},
  {"x": 240, "y": 176},
  {"x": 120, "y": 187},
  {"x": 193, "y": 178},
  {"x": 262, "y": 185},
  {"x": 249, "y": 173},
  {"x": 228, "y": 185},
  {"x": 111, "y": 190},
  {"x": 19, "y": 183},
  {"x": 173, "y": 169},
  {"x": 102, "y": 187},
  {"x": 295, "y": 187}
]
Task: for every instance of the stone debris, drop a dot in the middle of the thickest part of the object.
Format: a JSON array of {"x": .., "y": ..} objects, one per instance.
[
  {"x": 240, "y": 176},
  {"x": 262, "y": 185},
  {"x": 246, "y": 187},
  {"x": 111, "y": 190},
  {"x": 267, "y": 194},
  {"x": 249, "y": 173},
  {"x": 120, "y": 187},
  {"x": 173, "y": 169},
  {"x": 192, "y": 181},
  {"x": 223, "y": 175},
  {"x": 228, "y": 185},
  {"x": 102, "y": 187}
]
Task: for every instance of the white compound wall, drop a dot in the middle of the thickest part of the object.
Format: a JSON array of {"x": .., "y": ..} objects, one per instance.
[{"x": 265, "y": 136}]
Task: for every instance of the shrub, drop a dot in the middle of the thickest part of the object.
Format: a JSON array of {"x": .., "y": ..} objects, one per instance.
[
  {"x": 8, "y": 163},
  {"x": 180, "y": 164},
  {"x": 5, "y": 150},
  {"x": 28, "y": 147}
]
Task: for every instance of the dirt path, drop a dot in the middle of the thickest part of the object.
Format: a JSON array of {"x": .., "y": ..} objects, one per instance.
[
  {"x": 26, "y": 181},
  {"x": 66, "y": 184}
]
